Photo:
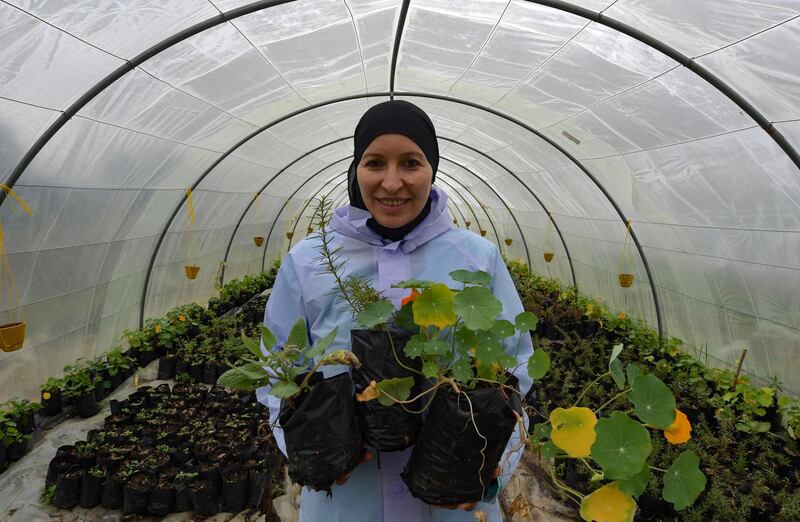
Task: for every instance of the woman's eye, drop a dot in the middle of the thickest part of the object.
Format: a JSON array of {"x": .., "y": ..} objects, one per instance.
[
  {"x": 412, "y": 163},
  {"x": 373, "y": 164}
]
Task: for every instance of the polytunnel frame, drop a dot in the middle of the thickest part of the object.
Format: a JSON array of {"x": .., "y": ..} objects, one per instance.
[{"x": 597, "y": 17}]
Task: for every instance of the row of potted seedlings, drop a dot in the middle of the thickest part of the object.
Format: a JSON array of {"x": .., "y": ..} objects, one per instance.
[
  {"x": 162, "y": 450},
  {"x": 17, "y": 424}
]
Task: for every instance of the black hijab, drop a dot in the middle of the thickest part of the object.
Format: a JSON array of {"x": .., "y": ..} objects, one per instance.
[{"x": 393, "y": 117}]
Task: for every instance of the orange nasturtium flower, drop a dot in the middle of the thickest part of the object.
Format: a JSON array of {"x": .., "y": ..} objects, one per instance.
[
  {"x": 410, "y": 298},
  {"x": 622, "y": 315},
  {"x": 678, "y": 432},
  {"x": 181, "y": 318}
]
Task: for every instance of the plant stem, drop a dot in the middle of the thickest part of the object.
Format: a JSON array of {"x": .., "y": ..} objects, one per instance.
[
  {"x": 612, "y": 399},
  {"x": 594, "y": 471},
  {"x": 658, "y": 469},
  {"x": 396, "y": 358},
  {"x": 578, "y": 400}
]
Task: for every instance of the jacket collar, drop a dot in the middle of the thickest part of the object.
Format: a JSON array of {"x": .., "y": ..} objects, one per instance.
[{"x": 352, "y": 222}]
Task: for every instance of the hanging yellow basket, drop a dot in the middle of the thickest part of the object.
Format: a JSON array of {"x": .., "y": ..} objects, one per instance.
[
  {"x": 467, "y": 223},
  {"x": 258, "y": 240},
  {"x": 310, "y": 230},
  {"x": 625, "y": 280},
  {"x": 289, "y": 235},
  {"x": 548, "y": 256},
  {"x": 191, "y": 271},
  {"x": 455, "y": 222},
  {"x": 508, "y": 241},
  {"x": 12, "y": 336},
  {"x": 483, "y": 233}
]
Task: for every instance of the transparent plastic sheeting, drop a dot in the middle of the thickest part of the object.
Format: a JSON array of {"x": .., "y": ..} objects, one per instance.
[{"x": 713, "y": 199}]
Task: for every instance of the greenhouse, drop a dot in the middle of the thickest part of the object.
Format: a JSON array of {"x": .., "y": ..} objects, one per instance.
[{"x": 170, "y": 167}]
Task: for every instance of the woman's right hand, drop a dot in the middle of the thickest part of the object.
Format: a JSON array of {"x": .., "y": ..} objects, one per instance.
[{"x": 366, "y": 458}]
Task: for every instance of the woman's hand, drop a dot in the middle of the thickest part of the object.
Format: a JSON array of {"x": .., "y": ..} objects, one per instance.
[
  {"x": 366, "y": 458},
  {"x": 467, "y": 506}
]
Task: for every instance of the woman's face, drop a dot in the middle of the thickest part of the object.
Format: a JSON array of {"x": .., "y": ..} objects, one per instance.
[{"x": 395, "y": 179}]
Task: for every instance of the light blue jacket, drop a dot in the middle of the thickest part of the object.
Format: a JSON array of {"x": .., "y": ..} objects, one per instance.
[{"x": 303, "y": 289}]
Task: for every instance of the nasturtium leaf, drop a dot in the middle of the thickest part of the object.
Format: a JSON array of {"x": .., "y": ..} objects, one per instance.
[
  {"x": 397, "y": 389},
  {"x": 526, "y": 321},
  {"x": 465, "y": 340},
  {"x": 375, "y": 313},
  {"x": 632, "y": 371},
  {"x": 413, "y": 283},
  {"x": 542, "y": 430},
  {"x": 615, "y": 367},
  {"x": 637, "y": 484},
  {"x": 267, "y": 338},
  {"x": 615, "y": 351},
  {"x": 489, "y": 352},
  {"x": 477, "y": 307},
  {"x": 503, "y": 328},
  {"x": 538, "y": 364},
  {"x": 573, "y": 430},
  {"x": 478, "y": 277},
  {"x": 608, "y": 504},
  {"x": 622, "y": 446},
  {"x": 429, "y": 369},
  {"x": 322, "y": 345},
  {"x": 435, "y": 307},
  {"x": 683, "y": 481},
  {"x": 413, "y": 347},
  {"x": 404, "y": 318},
  {"x": 507, "y": 361},
  {"x": 297, "y": 335},
  {"x": 549, "y": 450},
  {"x": 284, "y": 390},
  {"x": 435, "y": 347},
  {"x": 462, "y": 371},
  {"x": 653, "y": 401}
]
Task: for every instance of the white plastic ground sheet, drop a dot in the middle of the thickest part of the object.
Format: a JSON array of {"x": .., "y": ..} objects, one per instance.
[{"x": 544, "y": 110}]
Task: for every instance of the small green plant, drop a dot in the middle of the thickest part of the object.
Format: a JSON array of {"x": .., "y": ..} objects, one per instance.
[
  {"x": 53, "y": 384},
  {"x": 118, "y": 362},
  {"x": 97, "y": 471},
  {"x": 77, "y": 381},
  {"x": 47, "y": 495},
  {"x": 184, "y": 477},
  {"x": 280, "y": 368},
  {"x": 184, "y": 378}
]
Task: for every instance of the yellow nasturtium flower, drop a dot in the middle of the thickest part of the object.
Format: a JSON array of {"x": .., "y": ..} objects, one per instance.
[
  {"x": 158, "y": 328},
  {"x": 608, "y": 504},
  {"x": 573, "y": 430},
  {"x": 679, "y": 431},
  {"x": 181, "y": 318}
]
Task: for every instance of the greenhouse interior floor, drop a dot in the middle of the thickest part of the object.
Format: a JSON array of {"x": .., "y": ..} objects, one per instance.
[{"x": 525, "y": 498}]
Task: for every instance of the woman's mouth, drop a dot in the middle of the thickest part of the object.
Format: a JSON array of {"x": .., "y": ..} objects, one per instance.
[{"x": 392, "y": 202}]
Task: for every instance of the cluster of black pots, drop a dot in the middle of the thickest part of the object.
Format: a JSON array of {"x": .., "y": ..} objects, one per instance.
[{"x": 163, "y": 451}]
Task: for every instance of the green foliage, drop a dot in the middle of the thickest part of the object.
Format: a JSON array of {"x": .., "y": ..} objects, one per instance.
[
  {"x": 47, "y": 495},
  {"x": 77, "y": 381}
]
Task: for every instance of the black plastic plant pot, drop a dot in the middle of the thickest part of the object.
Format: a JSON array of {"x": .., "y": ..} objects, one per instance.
[
  {"x": 17, "y": 450},
  {"x": 196, "y": 371},
  {"x": 145, "y": 357},
  {"x": 256, "y": 485},
  {"x": 204, "y": 498},
  {"x": 166, "y": 368},
  {"x": 117, "y": 406},
  {"x": 86, "y": 405},
  {"x": 162, "y": 499},
  {"x": 136, "y": 493},
  {"x": 51, "y": 402},
  {"x": 323, "y": 440},
  {"x": 235, "y": 490},
  {"x": 112, "y": 493},
  {"x": 446, "y": 465},
  {"x": 68, "y": 489},
  {"x": 2, "y": 455},
  {"x": 91, "y": 490},
  {"x": 183, "y": 501},
  {"x": 386, "y": 428},
  {"x": 209, "y": 372}
]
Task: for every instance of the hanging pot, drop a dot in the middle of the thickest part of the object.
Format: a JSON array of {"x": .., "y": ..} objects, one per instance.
[
  {"x": 12, "y": 336},
  {"x": 289, "y": 235},
  {"x": 625, "y": 280},
  {"x": 310, "y": 230},
  {"x": 455, "y": 222},
  {"x": 258, "y": 240},
  {"x": 548, "y": 256},
  {"x": 191, "y": 271},
  {"x": 508, "y": 241},
  {"x": 483, "y": 233},
  {"x": 467, "y": 223}
]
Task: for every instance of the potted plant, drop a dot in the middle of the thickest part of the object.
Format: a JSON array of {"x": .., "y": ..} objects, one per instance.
[
  {"x": 13, "y": 441},
  {"x": 258, "y": 240},
  {"x": 119, "y": 366},
  {"x": 476, "y": 404},
  {"x": 51, "y": 396},
  {"x": 317, "y": 414},
  {"x": 79, "y": 386}
]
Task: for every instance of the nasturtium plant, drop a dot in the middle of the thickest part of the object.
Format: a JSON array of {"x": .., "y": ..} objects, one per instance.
[
  {"x": 622, "y": 446},
  {"x": 573, "y": 430},
  {"x": 637, "y": 484},
  {"x": 538, "y": 364},
  {"x": 375, "y": 313},
  {"x": 653, "y": 402},
  {"x": 478, "y": 277},
  {"x": 608, "y": 504}
]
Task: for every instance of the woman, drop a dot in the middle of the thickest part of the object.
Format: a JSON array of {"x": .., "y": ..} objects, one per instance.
[{"x": 396, "y": 227}]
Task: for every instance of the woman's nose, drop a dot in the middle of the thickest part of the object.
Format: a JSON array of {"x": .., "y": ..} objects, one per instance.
[{"x": 392, "y": 181}]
